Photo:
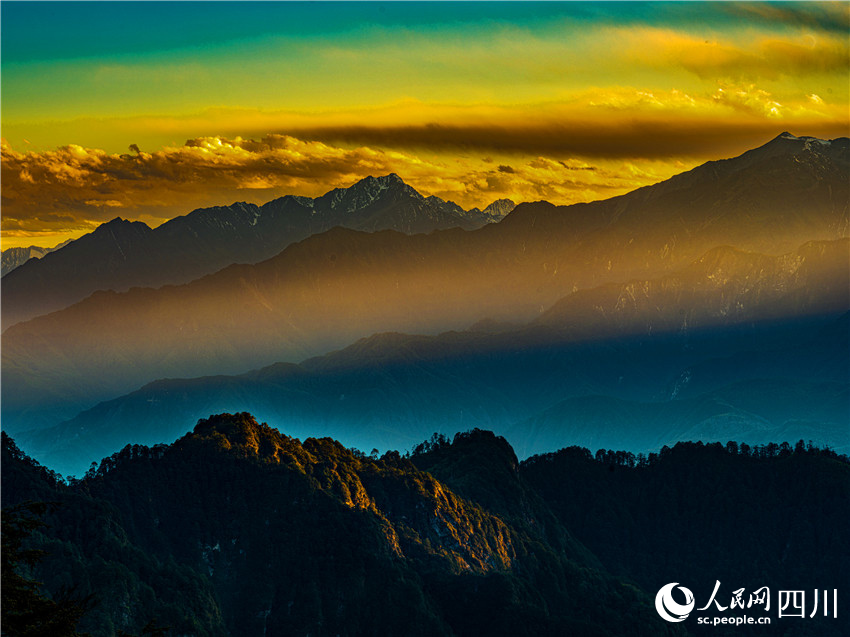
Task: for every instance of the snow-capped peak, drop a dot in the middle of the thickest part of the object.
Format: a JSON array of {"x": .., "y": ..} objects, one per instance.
[
  {"x": 808, "y": 140},
  {"x": 368, "y": 190},
  {"x": 499, "y": 208}
]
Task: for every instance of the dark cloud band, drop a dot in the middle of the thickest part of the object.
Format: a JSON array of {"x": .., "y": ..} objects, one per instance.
[{"x": 625, "y": 139}]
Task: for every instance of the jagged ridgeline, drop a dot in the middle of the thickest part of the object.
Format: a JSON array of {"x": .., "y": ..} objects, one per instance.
[
  {"x": 122, "y": 254},
  {"x": 237, "y": 529},
  {"x": 760, "y": 237}
]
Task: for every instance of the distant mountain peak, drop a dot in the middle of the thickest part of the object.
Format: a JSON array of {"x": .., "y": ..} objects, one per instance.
[
  {"x": 806, "y": 140},
  {"x": 12, "y": 258},
  {"x": 384, "y": 181},
  {"x": 391, "y": 178},
  {"x": 369, "y": 190},
  {"x": 120, "y": 224},
  {"x": 500, "y": 208}
]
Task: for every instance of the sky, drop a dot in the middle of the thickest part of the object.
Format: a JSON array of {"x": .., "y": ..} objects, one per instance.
[{"x": 148, "y": 110}]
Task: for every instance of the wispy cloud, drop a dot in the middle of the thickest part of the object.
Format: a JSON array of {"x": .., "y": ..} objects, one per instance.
[
  {"x": 823, "y": 16},
  {"x": 758, "y": 57},
  {"x": 469, "y": 108}
]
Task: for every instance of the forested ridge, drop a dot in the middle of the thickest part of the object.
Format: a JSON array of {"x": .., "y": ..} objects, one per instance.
[{"x": 238, "y": 529}]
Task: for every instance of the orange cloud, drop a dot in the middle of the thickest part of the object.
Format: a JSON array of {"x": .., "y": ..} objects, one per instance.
[{"x": 72, "y": 188}]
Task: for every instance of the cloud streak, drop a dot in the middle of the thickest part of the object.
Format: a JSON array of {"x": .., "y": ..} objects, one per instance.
[
  {"x": 570, "y": 103},
  {"x": 758, "y": 58},
  {"x": 655, "y": 139},
  {"x": 831, "y": 17}
]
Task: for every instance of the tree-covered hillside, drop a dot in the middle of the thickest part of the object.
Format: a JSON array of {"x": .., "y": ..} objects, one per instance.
[{"x": 237, "y": 529}]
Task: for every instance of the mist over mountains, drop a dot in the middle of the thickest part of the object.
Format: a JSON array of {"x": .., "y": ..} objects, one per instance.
[
  {"x": 121, "y": 254},
  {"x": 694, "y": 334},
  {"x": 754, "y": 238},
  {"x": 779, "y": 382}
]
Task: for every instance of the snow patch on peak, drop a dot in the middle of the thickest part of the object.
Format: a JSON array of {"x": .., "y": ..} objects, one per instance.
[
  {"x": 500, "y": 208},
  {"x": 367, "y": 191},
  {"x": 307, "y": 202},
  {"x": 807, "y": 140},
  {"x": 811, "y": 141}
]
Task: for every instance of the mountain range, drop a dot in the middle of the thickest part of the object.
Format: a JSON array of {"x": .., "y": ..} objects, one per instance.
[
  {"x": 694, "y": 333},
  {"x": 754, "y": 238},
  {"x": 14, "y": 257},
  {"x": 239, "y": 529},
  {"x": 537, "y": 386},
  {"x": 121, "y": 254}
]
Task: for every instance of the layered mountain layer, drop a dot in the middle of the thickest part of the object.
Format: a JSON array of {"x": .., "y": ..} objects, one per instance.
[
  {"x": 669, "y": 257},
  {"x": 15, "y": 257},
  {"x": 121, "y": 254},
  {"x": 698, "y": 355}
]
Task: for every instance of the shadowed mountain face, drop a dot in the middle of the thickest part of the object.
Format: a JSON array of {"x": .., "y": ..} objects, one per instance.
[
  {"x": 333, "y": 288},
  {"x": 236, "y": 529},
  {"x": 122, "y": 254},
  {"x": 701, "y": 514}
]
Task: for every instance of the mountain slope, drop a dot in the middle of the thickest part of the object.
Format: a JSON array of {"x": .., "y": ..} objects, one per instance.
[
  {"x": 282, "y": 537},
  {"x": 335, "y": 287},
  {"x": 120, "y": 255},
  {"x": 15, "y": 257},
  {"x": 674, "y": 362},
  {"x": 332, "y": 288}
]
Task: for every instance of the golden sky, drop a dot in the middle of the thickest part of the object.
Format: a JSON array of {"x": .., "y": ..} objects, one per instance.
[{"x": 149, "y": 110}]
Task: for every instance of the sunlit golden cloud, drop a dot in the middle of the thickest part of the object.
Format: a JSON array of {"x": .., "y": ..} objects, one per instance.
[
  {"x": 468, "y": 102},
  {"x": 72, "y": 189},
  {"x": 624, "y": 119}
]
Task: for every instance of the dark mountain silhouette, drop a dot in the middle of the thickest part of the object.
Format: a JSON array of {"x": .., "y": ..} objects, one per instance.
[
  {"x": 699, "y": 514},
  {"x": 238, "y": 529},
  {"x": 121, "y": 254}
]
